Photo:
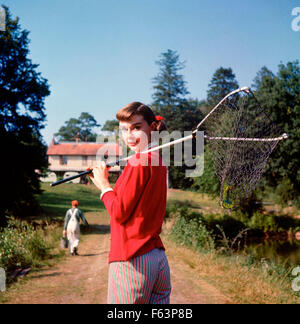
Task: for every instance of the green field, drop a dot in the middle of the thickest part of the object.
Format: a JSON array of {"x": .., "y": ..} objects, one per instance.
[{"x": 55, "y": 201}]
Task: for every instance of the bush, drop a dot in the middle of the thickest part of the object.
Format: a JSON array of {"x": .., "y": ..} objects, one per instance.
[
  {"x": 285, "y": 193},
  {"x": 21, "y": 246},
  {"x": 190, "y": 230},
  {"x": 263, "y": 222},
  {"x": 231, "y": 226}
]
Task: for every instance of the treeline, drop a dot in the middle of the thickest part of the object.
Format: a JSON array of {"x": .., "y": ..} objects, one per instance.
[{"x": 279, "y": 96}]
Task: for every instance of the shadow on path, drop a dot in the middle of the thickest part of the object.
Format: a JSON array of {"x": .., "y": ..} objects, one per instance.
[{"x": 95, "y": 229}]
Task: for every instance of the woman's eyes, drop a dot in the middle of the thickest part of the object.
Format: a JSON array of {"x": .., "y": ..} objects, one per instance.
[{"x": 134, "y": 128}]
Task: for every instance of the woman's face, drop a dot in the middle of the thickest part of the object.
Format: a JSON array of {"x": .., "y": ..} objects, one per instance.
[{"x": 136, "y": 133}]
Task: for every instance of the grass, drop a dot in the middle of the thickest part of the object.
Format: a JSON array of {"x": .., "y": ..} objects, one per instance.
[
  {"x": 35, "y": 242},
  {"x": 197, "y": 201},
  {"x": 239, "y": 277},
  {"x": 57, "y": 200}
]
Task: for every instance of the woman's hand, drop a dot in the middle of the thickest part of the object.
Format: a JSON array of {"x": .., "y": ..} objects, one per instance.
[
  {"x": 64, "y": 233},
  {"x": 100, "y": 176}
]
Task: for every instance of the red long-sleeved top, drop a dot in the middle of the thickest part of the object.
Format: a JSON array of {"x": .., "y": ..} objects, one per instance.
[{"x": 137, "y": 207}]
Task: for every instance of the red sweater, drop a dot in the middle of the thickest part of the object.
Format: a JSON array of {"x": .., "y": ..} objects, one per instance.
[{"x": 137, "y": 207}]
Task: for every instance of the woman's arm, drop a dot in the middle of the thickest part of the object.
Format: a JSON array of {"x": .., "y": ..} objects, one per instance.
[
  {"x": 121, "y": 203},
  {"x": 83, "y": 218},
  {"x": 67, "y": 218}
]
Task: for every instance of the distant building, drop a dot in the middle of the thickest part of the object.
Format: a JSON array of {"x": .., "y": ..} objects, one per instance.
[{"x": 70, "y": 158}]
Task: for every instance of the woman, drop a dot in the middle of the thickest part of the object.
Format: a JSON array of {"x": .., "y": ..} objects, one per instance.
[
  {"x": 138, "y": 268},
  {"x": 71, "y": 227}
]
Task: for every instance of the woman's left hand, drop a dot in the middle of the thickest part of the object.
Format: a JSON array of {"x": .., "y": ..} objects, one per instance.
[{"x": 100, "y": 176}]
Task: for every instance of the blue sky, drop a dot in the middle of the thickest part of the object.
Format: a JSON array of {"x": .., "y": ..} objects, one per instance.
[{"x": 100, "y": 55}]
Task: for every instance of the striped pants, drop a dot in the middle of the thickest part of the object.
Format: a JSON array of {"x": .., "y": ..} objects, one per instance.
[{"x": 142, "y": 280}]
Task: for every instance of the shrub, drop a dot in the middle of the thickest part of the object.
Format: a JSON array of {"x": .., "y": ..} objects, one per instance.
[
  {"x": 263, "y": 222},
  {"x": 190, "y": 230},
  {"x": 21, "y": 246}
]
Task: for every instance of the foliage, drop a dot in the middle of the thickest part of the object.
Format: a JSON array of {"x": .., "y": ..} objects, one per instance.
[
  {"x": 169, "y": 85},
  {"x": 111, "y": 126},
  {"x": 222, "y": 83},
  {"x": 208, "y": 182},
  {"x": 22, "y": 246},
  {"x": 224, "y": 232},
  {"x": 263, "y": 222},
  {"x": 190, "y": 230},
  {"x": 22, "y": 116},
  {"x": 181, "y": 114},
  {"x": 279, "y": 96},
  {"x": 81, "y": 128}
]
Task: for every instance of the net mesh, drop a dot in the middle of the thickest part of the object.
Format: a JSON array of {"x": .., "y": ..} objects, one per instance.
[{"x": 245, "y": 139}]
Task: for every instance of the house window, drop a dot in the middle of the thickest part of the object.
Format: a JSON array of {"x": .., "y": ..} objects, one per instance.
[
  {"x": 63, "y": 160},
  {"x": 84, "y": 160}
]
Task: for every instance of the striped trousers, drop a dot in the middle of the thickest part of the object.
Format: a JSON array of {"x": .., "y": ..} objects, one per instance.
[{"x": 141, "y": 280}]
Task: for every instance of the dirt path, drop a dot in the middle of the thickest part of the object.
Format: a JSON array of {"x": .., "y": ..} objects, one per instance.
[{"x": 83, "y": 279}]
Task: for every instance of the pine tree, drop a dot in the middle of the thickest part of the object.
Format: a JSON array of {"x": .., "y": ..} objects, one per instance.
[
  {"x": 181, "y": 114},
  {"x": 222, "y": 83},
  {"x": 169, "y": 85}
]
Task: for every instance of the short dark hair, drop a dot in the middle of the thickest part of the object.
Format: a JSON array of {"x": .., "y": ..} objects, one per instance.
[{"x": 138, "y": 108}]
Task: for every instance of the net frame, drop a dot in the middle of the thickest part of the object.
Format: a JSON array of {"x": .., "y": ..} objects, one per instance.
[{"x": 242, "y": 137}]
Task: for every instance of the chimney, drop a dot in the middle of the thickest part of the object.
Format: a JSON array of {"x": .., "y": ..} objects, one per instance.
[
  {"x": 53, "y": 140},
  {"x": 77, "y": 137}
]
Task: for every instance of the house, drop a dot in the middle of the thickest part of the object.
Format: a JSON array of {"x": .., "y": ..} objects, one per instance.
[{"x": 70, "y": 158}]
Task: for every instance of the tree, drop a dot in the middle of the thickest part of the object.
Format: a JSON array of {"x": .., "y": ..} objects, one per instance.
[
  {"x": 222, "y": 83},
  {"x": 169, "y": 100},
  {"x": 263, "y": 73},
  {"x": 111, "y": 126},
  {"x": 208, "y": 183},
  {"x": 87, "y": 123},
  {"x": 170, "y": 87},
  {"x": 22, "y": 116},
  {"x": 279, "y": 96},
  {"x": 82, "y": 127}
]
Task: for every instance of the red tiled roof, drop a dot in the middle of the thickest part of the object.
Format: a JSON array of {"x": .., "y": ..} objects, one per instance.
[{"x": 84, "y": 149}]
